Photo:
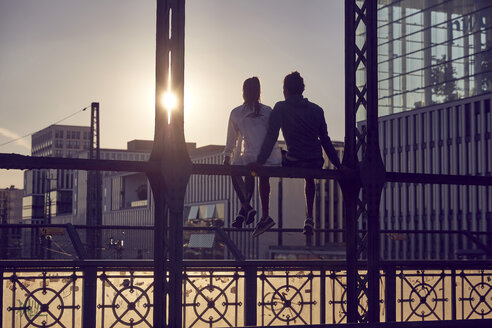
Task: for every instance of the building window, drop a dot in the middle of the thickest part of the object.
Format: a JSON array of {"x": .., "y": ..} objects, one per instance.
[{"x": 58, "y": 133}]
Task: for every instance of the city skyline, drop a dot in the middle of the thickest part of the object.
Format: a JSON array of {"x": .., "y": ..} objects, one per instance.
[{"x": 61, "y": 56}]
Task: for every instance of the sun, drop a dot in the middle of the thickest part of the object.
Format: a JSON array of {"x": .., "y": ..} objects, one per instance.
[{"x": 170, "y": 102}]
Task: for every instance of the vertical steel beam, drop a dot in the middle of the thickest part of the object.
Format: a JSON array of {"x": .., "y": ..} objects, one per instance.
[
  {"x": 361, "y": 95},
  {"x": 350, "y": 189},
  {"x": 390, "y": 294},
  {"x": 172, "y": 168},
  {"x": 250, "y": 296},
  {"x": 1, "y": 295},
  {"x": 160, "y": 253},
  {"x": 372, "y": 168},
  {"x": 89, "y": 297},
  {"x": 322, "y": 319},
  {"x": 93, "y": 217}
]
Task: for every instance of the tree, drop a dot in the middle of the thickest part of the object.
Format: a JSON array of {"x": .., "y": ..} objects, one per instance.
[{"x": 443, "y": 79}]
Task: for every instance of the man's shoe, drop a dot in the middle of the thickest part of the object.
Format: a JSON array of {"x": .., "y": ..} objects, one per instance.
[
  {"x": 262, "y": 226},
  {"x": 308, "y": 227},
  {"x": 238, "y": 221}
]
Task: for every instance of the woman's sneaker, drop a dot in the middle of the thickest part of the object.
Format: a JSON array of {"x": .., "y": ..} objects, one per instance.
[
  {"x": 245, "y": 214},
  {"x": 262, "y": 226},
  {"x": 308, "y": 227},
  {"x": 238, "y": 221},
  {"x": 250, "y": 215}
]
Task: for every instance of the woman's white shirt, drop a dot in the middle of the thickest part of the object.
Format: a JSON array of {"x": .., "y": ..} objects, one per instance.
[{"x": 245, "y": 135}]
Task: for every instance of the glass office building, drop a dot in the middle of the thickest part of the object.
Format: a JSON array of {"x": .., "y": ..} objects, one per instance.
[
  {"x": 435, "y": 96},
  {"x": 433, "y": 51}
]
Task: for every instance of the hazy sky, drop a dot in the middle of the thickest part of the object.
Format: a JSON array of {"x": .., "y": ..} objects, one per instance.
[{"x": 58, "y": 56}]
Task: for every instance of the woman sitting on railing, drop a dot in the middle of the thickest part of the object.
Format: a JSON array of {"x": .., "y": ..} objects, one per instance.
[{"x": 247, "y": 128}]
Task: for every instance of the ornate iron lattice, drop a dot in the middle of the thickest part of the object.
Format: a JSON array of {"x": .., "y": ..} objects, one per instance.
[
  {"x": 289, "y": 298},
  {"x": 336, "y": 305},
  {"x": 213, "y": 298},
  {"x": 424, "y": 295},
  {"x": 42, "y": 299},
  {"x": 125, "y": 299},
  {"x": 474, "y": 292}
]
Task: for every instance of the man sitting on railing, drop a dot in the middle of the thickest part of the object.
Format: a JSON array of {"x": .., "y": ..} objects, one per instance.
[{"x": 304, "y": 128}]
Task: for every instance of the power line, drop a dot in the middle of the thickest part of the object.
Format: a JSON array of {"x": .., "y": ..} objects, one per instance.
[{"x": 29, "y": 134}]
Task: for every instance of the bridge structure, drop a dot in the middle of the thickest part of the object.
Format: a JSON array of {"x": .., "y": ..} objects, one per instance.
[{"x": 371, "y": 292}]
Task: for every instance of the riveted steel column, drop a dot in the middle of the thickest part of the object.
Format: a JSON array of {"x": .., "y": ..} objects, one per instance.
[
  {"x": 350, "y": 189},
  {"x": 172, "y": 165},
  {"x": 361, "y": 101},
  {"x": 372, "y": 168}
]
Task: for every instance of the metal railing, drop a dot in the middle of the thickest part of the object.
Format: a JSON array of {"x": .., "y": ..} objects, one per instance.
[{"x": 58, "y": 293}]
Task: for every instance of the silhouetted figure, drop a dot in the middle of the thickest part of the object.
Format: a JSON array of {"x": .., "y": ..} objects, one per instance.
[
  {"x": 247, "y": 129},
  {"x": 304, "y": 128}
]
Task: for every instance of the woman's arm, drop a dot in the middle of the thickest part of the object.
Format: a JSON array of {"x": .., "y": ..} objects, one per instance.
[{"x": 232, "y": 140}]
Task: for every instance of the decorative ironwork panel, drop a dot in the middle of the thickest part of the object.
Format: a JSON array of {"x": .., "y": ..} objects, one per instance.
[
  {"x": 42, "y": 299},
  {"x": 336, "y": 297},
  {"x": 336, "y": 300},
  {"x": 213, "y": 299},
  {"x": 424, "y": 295},
  {"x": 289, "y": 297},
  {"x": 124, "y": 299},
  {"x": 474, "y": 294}
]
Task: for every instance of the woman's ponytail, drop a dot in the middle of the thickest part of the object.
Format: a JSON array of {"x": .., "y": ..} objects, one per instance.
[{"x": 251, "y": 94}]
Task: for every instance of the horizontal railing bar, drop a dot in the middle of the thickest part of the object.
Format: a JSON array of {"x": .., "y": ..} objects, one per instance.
[
  {"x": 231, "y": 264},
  {"x": 472, "y": 323},
  {"x": 150, "y": 228},
  {"x": 149, "y": 263},
  {"x": 277, "y": 172},
  {"x": 449, "y": 179},
  {"x": 402, "y": 231},
  {"x": 435, "y": 264},
  {"x": 22, "y": 162}
]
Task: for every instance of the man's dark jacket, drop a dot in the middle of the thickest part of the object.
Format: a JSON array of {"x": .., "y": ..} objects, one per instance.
[{"x": 304, "y": 128}]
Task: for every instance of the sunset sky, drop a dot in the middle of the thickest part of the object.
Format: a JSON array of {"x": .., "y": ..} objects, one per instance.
[{"x": 58, "y": 56}]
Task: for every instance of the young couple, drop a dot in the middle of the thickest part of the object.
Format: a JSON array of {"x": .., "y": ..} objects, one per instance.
[{"x": 251, "y": 140}]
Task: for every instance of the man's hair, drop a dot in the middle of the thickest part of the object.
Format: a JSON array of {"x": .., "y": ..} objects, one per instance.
[{"x": 294, "y": 83}]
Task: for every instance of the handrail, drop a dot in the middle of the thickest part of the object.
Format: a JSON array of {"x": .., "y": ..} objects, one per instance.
[
  {"x": 266, "y": 264},
  {"x": 149, "y": 228},
  {"x": 22, "y": 162}
]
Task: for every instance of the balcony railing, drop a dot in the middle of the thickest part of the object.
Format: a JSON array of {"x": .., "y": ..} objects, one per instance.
[
  {"x": 59, "y": 290},
  {"x": 232, "y": 294}
]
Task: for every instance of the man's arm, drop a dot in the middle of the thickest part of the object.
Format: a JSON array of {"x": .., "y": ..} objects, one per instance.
[
  {"x": 271, "y": 136},
  {"x": 327, "y": 144}
]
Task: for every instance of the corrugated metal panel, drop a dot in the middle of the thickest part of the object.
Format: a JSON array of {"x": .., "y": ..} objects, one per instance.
[{"x": 452, "y": 138}]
